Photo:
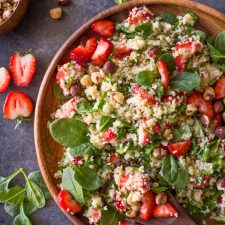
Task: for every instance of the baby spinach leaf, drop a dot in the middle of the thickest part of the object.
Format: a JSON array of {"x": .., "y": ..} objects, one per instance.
[
  {"x": 201, "y": 34},
  {"x": 145, "y": 77},
  {"x": 87, "y": 178},
  {"x": 160, "y": 90},
  {"x": 211, "y": 202},
  {"x": 211, "y": 40},
  {"x": 182, "y": 177},
  {"x": 185, "y": 81},
  {"x": 220, "y": 42},
  {"x": 222, "y": 67},
  {"x": 169, "y": 17},
  {"x": 110, "y": 217},
  {"x": 5, "y": 185},
  {"x": 21, "y": 219},
  {"x": 215, "y": 54},
  {"x": 71, "y": 185},
  {"x": 84, "y": 107},
  {"x": 198, "y": 129},
  {"x": 170, "y": 169},
  {"x": 159, "y": 189},
  {"x": 12, "y": 210},
  {"x": 169, "y": 60},
  {"x": 14, "y": 195},
  {"x": 161, "y": 180},
  {"x": 69, "y": 132},
  {"x": 193, "y": 211},
  {"x": 145, "y": 29},
  {"x": 182, "y": 132},
  {"x": 80, "y": 150},
  {"x": 217, "y": 162},
  {"x": 121, "y": 133},
  {"x": 37, "y": 178},
  {"x": 58, "y": 93},
  {"x": 121, "y": 28},
  {"x": 106, "y": 122}
]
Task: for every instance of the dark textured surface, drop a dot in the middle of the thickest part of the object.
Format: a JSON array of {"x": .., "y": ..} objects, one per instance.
[{"x": 44, "y": 35}]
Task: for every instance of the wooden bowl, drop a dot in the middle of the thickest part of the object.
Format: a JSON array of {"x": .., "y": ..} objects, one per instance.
[
  {"x": 15, "y": 18},
  {"x": 48, "y": 151}
]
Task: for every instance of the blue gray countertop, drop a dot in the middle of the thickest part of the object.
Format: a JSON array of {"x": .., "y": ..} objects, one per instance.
[{"x": 44, "y": 36}]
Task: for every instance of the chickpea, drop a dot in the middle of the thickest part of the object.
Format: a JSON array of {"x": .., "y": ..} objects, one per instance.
[
  {"x": 161, "y": 198},
  {"x": 118, "y": 98},
  {"x": 96, "y": 77},
  {"x": 191, "y": 109},
  {"x": 86, "y": 81}
]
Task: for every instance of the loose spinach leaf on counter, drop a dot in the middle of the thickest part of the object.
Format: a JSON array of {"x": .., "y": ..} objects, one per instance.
[
  {"x": 185, "y": 81},
  {"x": 169, "y": 17},
  {"x": 106, "y": 122},
  {"x": 69, "y": 132},
  {"x": 58, "y": 93},
  {"x": 169, "y": 60},
  {"x": 170, "y": 168},
  {"x": 220, "y": 42},
  {"x": 110, "y": 217},
  {"x": 145, "y": 77},
  {"x": 183, "y": 132},
  {"x": 21, "y": 219},
  {"x": 144, "y": 30}
]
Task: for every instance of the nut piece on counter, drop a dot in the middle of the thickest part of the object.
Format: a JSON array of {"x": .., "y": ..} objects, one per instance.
[
  {"x": 56, "y": 13},
  {"x": 63, "y": 2}
]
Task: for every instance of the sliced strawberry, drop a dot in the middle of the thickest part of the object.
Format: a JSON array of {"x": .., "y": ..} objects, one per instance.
[
  {"x": 163, "y": 71},
  {"x": 165, "y": 211},
  {"x": 220, "y": 88},
  {"x": 148, "y": 205},
  {"x": 105, "y": 28},
  {"x": 113, "y": 158},
  {"x": 123, "y": 222},
  {"x": 4, "y": 79},
  {"x": 17, "y": 104},
  {"x": 180, "y": 148},
  {"x": 102, "y": 52},
  {"x": 189, "y": 46},
  {"x": 144, "y": 138},
  {"x": 22, "y": 67},
  {"x": 203, "y": 106},
  {"x": 180, "y": 62},
  {"x": 82, "y": 54},
  {"x": 138, "y": 90},
  {"x": 122, "y": 51},
  {"x": 108, "y": 135},
  {"x": 67, "y": 110},
  {"x": 65, "y": 201}
]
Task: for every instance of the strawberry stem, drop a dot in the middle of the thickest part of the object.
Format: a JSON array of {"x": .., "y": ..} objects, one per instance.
[{"x": 20, "y": 120}]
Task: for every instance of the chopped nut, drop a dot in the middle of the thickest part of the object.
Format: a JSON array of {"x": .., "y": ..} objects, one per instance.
[
  {"x": 205, "y": 120},
  {"x": 209, "y": 94},
  {"x": 56, "y": 13},
  {"x": 191, "y": 109},
  {"x": 161, "y": 198},
  {"x": 86, "y": 81},
  {"x": 118, "y": 98}
]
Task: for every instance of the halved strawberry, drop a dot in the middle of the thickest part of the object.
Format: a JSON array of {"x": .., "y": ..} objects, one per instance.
[
  {"x": 105, "y": 28},
  {"x": 113, "y": 158},
  {"x": 165, "y": 211},
  {"x": 108, "y": 135},
  {"x": 163, "y": 71},
  {"x": 22, "y": 67},
  {"x": 4, "y": 79},
  {"x": 180, "y": 148},
  {"x": 220, "y": 88},
  {"x": 17, "y": 104},
  {"x": 65, "y": 201},
  {"x": 148, "y": 205},
  {"x": 102, "y": 52},
  {"x": 122, "y": 51},
  {"x": 82, "y": 54},
  {"x": 203, "y": 106}
]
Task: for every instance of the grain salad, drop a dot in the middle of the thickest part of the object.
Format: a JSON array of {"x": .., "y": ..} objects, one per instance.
[{"x": 143, "y": 115}]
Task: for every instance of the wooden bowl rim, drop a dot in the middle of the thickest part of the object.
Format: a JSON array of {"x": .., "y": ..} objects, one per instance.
[{"x": 75, "y": 35}]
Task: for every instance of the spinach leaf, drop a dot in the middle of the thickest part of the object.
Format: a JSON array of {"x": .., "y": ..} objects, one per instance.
[
  {"x": 121, "y": 28},
  {"x": 11, "y": 209},
  {"x": 161, "y": 180},
  {"x": 110, "y": 217},
  {"x": 183, "y": 132},
  {"x": 181, "y": 108},
  {"x": 145, "y": 77},
  {"x": 71, "y": 185},
  {"x": 170, "y": 168},
  {"x": 222, "y": 67},
  {"x": 145, "y": 29},
  {"x": 21, "y": 219},
  {"x": 69, "y": 132},
  {"x": 160, "y": 90},
  {"x": 185, "y": 81},
  {"x": 169, "y": 60},
  {"x": 102, "y": 102},
  {"x": 84, "y": 107},
  {"x": 58, "y": 93},
  {"x": 193, "y": 211},
  {"x": 123, "y": 148},
  {"x": 169, "y": 17},
  {"x": 217, "y": 162},
  {"x": 215, "y": 54},
  {"x": 211, "y": 202},
  {"x": 201, "y": 34},
  {"x": 159, "y": 189},
  {"x": 198, "y": 129},
  {"x": 80, "y": 150},
  {"x": 5, "y": 185},
  {"x": 87, "y": 178},
  {"x": 14, "y": 195},
  {"x": 220, "y": 42},
  {"x": 121, "y": 133},
  {"x": 182, "y": 177},
  {"x": 106, "y": 122},
  {"x": 37, "y": 178},
  {"x": 211, "y": 40}
]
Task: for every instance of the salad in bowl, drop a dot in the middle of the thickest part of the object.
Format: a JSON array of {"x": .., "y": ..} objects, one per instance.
[{"x": 143, "y": 115}]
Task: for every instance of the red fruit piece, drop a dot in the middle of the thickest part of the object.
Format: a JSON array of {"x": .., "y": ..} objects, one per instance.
[
  {"x": 189, "y": 46},
  {"x": 65, "y": 201},
  {"x": 105, "y": 28},
  {"x": 22, "y": 67},
  {"x": 108, "y": 135},
  {"x": 82, "y": 54},
  {"x": 165, "y": 211},
  {"x": 179, "y": 148},
  {"x": 147, "y": 206},
  {"x": 4, "y": 79},
  {"x": 163, "y": 70},
  {"x": 17, "y": 104},
  {"x": 124, "y": 223},
  {"x": 102, "y": 52},
  {"x": 180, "y": 62},
  {"x": 113, "y": 158},
  {"x": 203, "y": 106},
  {"x": 220, "y": 88},
  {"x": 78, "y": 160},
  {"x": 217, "y": 120},
  {"x": 138, "y": 90},
  {"x": 122, "y": 51},
  {"x": 156, "y": 128}
]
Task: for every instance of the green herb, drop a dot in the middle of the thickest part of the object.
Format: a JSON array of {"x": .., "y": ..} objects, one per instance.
[
  {"x": 182, "y": 177},
  {"x": 69, "y": 132},
  {"x": 201, "y": 34},
  {"x": 160, "y": 90},
  {"x": 144, "y": 30},
  {"x": 84, "y": 107},
  {"x": 185, "y": 81},
  {"x": 181, "y": 108},
  {"x": 220, "y": 42},
  {"x": 102, "y": 102},
  {"x": 71, "y": 185},
  {"x": 106, "y": 122},
  {"x": 123, "y": 148},
  {"x": 198, "y": 129},
  {"x": 183, "y": 132},
  {"x": 21, "y": 219},
  {"x": 159, "y": 189},
  {"x": 169, "y": 17},
  {"x": 170, "y": 168},
  {"x": 58, "y": 93},
  {"x": 121, "y": 133},
  {"x": 110, "y": 217},
  {"x": 211, "y": 202},
  {"x": 145, "y": 77},
  {"x": 87, "y": 178},
  {"x": 121, "y": 28},
  {"x": 169, "y": 60},
  {"x": 215, "y": 54}
]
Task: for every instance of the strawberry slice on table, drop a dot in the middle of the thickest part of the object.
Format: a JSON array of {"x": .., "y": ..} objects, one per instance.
[
  {"x": 102, "y": 52},
  {"x": 148, "y": 205},
  {"x": 220, "y": 88},
  {"x": 82, "y": 54},
  {"x": 22, "y": 66},
  {"x": 17, "y": 104},
  {"x": 65, "y": 201},
  {"x": 202, "y": 105},
  {"x": 165, "y": 211},
  {"x": 122, "y": 51},
  {"x": 179, "y": 148},
  {"x": 105, "y": 28},
  {"x": 4, "y": 79},
  {"x": 163, "y": 71}
]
